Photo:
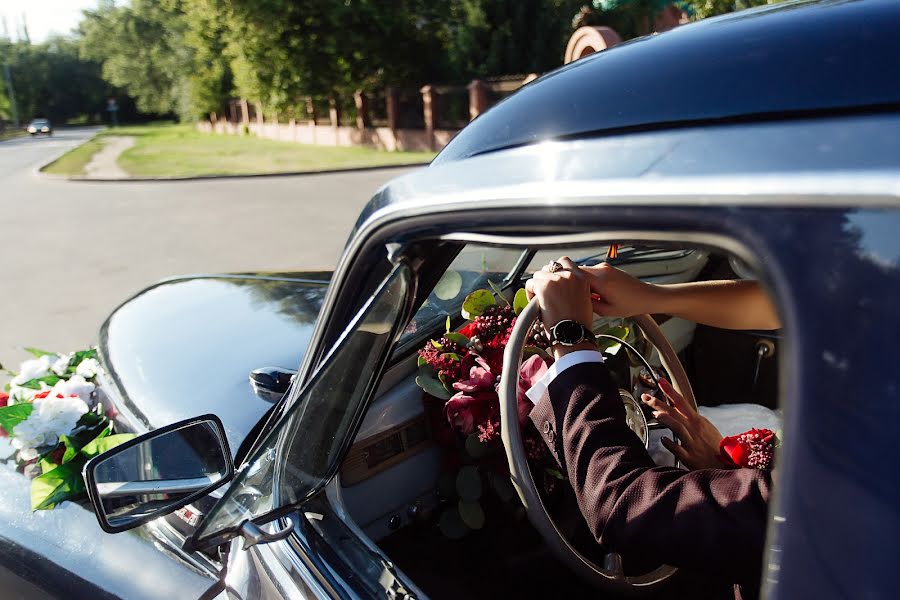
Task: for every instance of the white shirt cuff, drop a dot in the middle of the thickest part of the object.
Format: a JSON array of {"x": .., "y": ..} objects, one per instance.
[{"x": 537, "y": 391}]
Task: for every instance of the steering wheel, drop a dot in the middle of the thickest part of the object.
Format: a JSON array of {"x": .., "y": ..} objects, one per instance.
[{"x": 611, "y": 575}]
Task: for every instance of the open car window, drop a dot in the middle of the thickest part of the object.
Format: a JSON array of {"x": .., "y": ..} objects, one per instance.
[{"x": 303, "y": 450}]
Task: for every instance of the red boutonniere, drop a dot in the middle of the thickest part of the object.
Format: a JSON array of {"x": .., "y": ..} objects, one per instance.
[{"x": 754, "y": 449}]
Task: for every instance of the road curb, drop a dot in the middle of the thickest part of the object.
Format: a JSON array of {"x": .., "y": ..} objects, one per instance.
[
  {"x": 38, "y": 170},
  {"x": 245, "y": 176}
]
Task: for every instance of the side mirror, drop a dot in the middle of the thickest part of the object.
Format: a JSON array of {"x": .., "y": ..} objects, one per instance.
[{"x": 158, "y": 472}]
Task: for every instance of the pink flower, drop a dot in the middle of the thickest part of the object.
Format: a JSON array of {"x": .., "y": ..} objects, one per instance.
[
  {"x": 465, "y": 412},
  {"x": 480, "y": 378},
  {"x": 529, "y": 374}
]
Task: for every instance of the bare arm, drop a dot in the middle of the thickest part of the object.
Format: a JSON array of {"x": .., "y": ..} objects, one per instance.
[{"x": 727, "y": 304}]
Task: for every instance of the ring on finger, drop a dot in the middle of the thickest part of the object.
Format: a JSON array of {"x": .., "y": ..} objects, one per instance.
[{"x": 556, "y": 267}]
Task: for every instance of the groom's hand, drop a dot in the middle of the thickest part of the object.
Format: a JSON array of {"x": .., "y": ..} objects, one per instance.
[{"x": 562, "y": 295}]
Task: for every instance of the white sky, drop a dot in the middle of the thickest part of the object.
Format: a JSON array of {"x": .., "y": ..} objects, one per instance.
[{"x": 44, "y": 17}]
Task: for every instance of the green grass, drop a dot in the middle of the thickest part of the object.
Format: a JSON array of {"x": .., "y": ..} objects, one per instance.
[
  {"x": 74, "y": 161},
  {"x": 168, "y": 150},
  {"x": 11, "y": 133}
]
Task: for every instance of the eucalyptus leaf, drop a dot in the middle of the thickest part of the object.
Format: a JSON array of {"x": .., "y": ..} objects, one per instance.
[
  {"x": 471, "y": 514},
  {"x": 498, "y": 291},
  {"x": 503, "y": 487},
  {"x": 448, "y": 323},
  {"x": 62, "y": 483},
  {"x": 611, "y": 346},
  {"x": 420, "y": 362},
  {"x": 437, "y": 344},
  {"x": 468, "y": 483},
  {"x": 433, "y": 387},
  {"x": 520, "y": 301},
  {"x": 12, "y": 415},
  {"x": 476, "y": 302},
  {"x": 449, "y": 286},
  {"x": 452, "y": 525},
  {"x": 475, "y": 447}
]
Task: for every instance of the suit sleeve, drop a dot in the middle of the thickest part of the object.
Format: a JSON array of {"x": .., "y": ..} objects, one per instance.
[{"x": 706, "y": 519}]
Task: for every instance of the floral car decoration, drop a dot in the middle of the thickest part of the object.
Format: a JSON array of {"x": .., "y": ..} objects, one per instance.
[{"x": 53, "y": 413}]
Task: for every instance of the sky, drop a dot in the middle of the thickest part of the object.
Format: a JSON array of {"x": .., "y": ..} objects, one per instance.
[{"x": 44, "y": 17}]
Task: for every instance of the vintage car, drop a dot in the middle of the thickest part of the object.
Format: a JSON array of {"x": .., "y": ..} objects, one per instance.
[{"x": 765, "y": 144}]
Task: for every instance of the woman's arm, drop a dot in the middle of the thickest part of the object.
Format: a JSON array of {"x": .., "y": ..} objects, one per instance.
[{"x": 729, "y": 304}]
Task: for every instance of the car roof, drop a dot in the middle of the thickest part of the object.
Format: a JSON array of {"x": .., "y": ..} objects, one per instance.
[{"x": 793, "y": 59}]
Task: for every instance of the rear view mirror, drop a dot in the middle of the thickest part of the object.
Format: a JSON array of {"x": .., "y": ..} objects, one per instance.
[{"x": 158, "y": 472}]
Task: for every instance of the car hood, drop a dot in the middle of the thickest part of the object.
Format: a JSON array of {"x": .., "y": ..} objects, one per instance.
[{"x": 186, "y": 346}]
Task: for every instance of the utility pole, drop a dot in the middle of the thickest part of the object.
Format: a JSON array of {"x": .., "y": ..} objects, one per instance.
[{"x": 12, "y": 96}]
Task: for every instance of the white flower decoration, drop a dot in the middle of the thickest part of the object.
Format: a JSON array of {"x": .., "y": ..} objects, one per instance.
[
  {"x": 61, "y": 364},
  {"x": 32, "y": 369},
  {"x": 52, "y": 417},
  {"x": 74, "y": 386},
  {"x": 88, "y": 368}
]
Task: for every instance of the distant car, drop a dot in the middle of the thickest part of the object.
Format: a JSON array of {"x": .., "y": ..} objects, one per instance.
[
  {"x": 40, "y": 126},
  {"x": 767, "y": 139}
]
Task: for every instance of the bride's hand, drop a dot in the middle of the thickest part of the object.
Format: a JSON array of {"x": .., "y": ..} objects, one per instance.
[{"x": 699, "y": 438}]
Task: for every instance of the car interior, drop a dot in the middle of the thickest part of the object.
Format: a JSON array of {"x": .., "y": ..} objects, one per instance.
[{"x": 399, "y": 479}]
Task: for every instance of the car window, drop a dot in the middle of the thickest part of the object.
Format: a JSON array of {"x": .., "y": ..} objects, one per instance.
[
  {"x": 472, "y": 268},
  {"x": 302, "y": 451}
]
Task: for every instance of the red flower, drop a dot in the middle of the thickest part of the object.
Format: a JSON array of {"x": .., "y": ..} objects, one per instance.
[
  {"x": 465, "y": 412},
  {"x": 754, "y": 449},
  {"x": 41, "y": 395},
  {"x": 469, "y": 330},
  {"x": 4, "y": 399}
]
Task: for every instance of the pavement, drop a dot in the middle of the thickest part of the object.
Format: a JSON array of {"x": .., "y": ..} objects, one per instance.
[
  {"x": 103, "y": 164},
  {"x": 71, "y": 251}
]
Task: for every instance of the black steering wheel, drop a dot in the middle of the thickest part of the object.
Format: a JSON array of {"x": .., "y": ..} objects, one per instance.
[{"x": 610, "y": 575}]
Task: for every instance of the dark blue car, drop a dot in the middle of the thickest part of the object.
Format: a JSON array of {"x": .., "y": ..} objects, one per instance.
[{"x": 764, "y": 144}]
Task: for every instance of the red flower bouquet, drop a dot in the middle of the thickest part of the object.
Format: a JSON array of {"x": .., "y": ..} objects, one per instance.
[{"x": 754, "y": 449}]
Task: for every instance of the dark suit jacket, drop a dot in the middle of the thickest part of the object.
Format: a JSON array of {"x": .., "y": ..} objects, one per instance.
[{"x": 710, "y": 520}]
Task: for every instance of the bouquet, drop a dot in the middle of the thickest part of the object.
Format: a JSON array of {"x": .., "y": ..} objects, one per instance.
[
  {"x": 53, "y": 413},
  {"x": 460, "y": 373}
]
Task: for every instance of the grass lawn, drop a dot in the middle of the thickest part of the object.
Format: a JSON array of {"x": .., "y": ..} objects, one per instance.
[
  {"x": 168, "y": 150},
  {"x": 11, "y": 133}
]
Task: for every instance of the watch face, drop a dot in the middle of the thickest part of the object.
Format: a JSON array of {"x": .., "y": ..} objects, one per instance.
[{"x": 568, "y": 332}]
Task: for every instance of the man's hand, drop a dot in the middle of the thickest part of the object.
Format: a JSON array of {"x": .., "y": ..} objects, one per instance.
[
  {"x": 562, "y": 295},
  {"x": 700, "y": 439}
]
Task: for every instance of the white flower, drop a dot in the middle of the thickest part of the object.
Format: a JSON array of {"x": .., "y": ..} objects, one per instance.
[
  {"x": 88, "y": 368},
  {"x": 52, "y": 417},
  {"x": 19, "y": 394},
  {"x": 32, "y": 369},
  {"x": 74, "y": 386},
  {"x": 61, "y": 364}
]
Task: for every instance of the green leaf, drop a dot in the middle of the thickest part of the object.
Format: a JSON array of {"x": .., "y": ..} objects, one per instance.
[
  {"x": 498, "y": 291},
  {"x": 71, "y": 448},
  {"x": 104, "y": 443},
  {"x": 554, "y": 473},
  {"x": 436, "y": 344},
  {"x": 468, "y": 483},
  {"x": 12, "y": 415},
  {"x": 452, "y": 525},
  {"x": 83, "y": 355},
  {"x": 611, "y": 346},
  {"x": 528, "y": 351},
  {"x": 475, "y": 447},
  {"x": 62, "y": 483},
  {"x": 503, "y": 487},
  {"x": 448, "y": 323},
  {"x": 449, "y": 286},
  {"x": 35, "y": 384},
  {"x": 37, "y": 352},
  {"x": 476, "y": 302},
  {"x": 433, "y": 387},
  {"x": 520, "y": 301},
  {"x": 451, "y": 356},
  {"x": 471, "y": 514},
  {"x": 47, "y": 465},
  {"x": 421, "y": 361},
  {"x": 459, "y": 338}
]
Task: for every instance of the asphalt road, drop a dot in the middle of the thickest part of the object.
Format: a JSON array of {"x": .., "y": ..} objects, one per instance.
[{"x": 70, "y": 252}]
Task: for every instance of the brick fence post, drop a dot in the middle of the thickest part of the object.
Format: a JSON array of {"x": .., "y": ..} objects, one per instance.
[
  {"x": 334, "y": 113},
  {"x": 429, "y": 109},
  {"x": 477, "y": 98}
]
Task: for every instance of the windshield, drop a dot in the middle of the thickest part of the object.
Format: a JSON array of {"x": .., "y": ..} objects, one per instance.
[
  {"x": 473, "y": 268},
  {"x": 302, "y": 451}
]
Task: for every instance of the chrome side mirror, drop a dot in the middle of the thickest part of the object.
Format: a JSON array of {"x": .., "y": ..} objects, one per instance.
[{"x": 158, "y": 472}]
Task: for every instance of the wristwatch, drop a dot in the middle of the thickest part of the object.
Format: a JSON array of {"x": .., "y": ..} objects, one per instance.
[{"x": 570, "y": 333}]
